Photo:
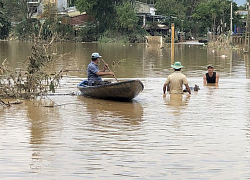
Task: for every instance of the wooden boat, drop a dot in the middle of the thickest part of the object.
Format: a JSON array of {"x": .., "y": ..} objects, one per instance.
[{"x": 123, "y": 90}]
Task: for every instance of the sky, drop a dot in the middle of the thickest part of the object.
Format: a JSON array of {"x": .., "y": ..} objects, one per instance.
[{"x": 240, "y": 2}]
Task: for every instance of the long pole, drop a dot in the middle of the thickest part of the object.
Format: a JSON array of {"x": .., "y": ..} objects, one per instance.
[
  {"x": 246, "y": 46},
  {"x": 172, "y": 43},
  {"x": 109, "y": 69},
  {"x": 231, "y": 19},
  {"x": 231, "y": 23}
]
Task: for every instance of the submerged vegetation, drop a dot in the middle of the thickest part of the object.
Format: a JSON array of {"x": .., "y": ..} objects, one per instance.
[{"x": 37, "y": 79}]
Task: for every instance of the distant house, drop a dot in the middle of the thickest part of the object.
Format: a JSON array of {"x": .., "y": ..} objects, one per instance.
[
  {"x": 75, "y": 18},
  {"x": 37, "y": 6},
  {"x": 143, "y": 10},
  {"x": 146, "y": 13},
  {"x": 65, "y": 8},
  {"x": 242, "y": 13},
  {"x": 241, "y": 28}
]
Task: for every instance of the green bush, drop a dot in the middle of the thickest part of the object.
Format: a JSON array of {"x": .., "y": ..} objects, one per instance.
[
  {"x": 25, "y": 29},
  {"x": 87, "y": 33},
  {"x": 4, "y": 26}
]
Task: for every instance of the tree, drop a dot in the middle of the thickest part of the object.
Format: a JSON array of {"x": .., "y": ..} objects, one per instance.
[
  {"x": 126, "y": 17},
  {"x": 18, "y": 10},
  {"x": 5, "y": 25},
  {"x": 103, "y": 11},
  {"x": 171, "y": 8},
  {"x": 175, "y": 10},
  {"x": 213, "y": 15}
]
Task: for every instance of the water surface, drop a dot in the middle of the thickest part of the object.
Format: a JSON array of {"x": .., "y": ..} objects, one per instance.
[{"x": 204, "y": 135}]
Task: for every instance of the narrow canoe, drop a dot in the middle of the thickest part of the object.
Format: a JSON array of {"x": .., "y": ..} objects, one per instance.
[{"x": 124, "y": 90}]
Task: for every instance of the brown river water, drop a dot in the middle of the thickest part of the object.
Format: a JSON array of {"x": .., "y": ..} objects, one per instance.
[{"x": 205, "y": 135}]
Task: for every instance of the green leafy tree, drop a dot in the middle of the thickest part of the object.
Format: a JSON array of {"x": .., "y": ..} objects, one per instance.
[
  {"x": 174, "y": 10},
  {"x": 171, "y": 8},
  {"x": 104, "y": 12},
  {"x": 4, "y": 26},
  {"x": 20, "y": 14},
  {"x": 126, "y": 17},
  {"x": 17, "y": 10},
  {"x": 213, "y": 15},
  {"x": 52, "y": 24}
]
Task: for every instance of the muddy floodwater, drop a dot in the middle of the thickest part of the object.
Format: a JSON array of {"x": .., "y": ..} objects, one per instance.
[{"x": 205, "y": 135}]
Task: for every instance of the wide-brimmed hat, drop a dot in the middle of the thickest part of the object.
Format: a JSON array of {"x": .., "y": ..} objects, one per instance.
[
  {"x": 210, "y": 66},
  {"x": 177, "y": 65},
  {"x": 95, "y": 55}
]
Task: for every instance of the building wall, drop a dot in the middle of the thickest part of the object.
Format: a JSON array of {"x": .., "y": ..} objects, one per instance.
[
  {"x": 142, "y": 7},
  {"x": 61, "y": 5}
]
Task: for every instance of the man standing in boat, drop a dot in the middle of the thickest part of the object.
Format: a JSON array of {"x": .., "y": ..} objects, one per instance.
[
  {"x": 94, "y": 74},
  {"x": 210, "y": 77},
  {"x": 175, "y": 81}
]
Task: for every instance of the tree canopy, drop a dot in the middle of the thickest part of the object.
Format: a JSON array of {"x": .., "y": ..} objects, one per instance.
[
  {"x": 214, "y": 15},
  {"x": 194, "y": 16},
  {"x": 103, "y": 11}
]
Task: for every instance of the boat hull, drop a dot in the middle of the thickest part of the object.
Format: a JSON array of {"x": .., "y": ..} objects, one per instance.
[{"x": 124, "y": 90}]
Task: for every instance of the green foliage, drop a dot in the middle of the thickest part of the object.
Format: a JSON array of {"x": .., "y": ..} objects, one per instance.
[
  {"x": 126, "y": 17},
  {"x": 116, "y": 20},
  {"x": 27, "y": 28},
  {"x": 171, "y": 8},
  {"x": 38, "y": 78},
  {"x": 52, "y": 24},
  {"x": 115, "y": 36},
  {"x": 213, "y": 15},
  {"x": 71, "y": 3},
  {"x": 103, "y": 11},
  {"x": 65, "y": 31},
  {"x": 15, "y": 9},
  {"x": 176, "y": 11},
  {"x": 4, "y": 26},
  {"x": 112, "y": 36},
  {"x": 87, "y": 33}
]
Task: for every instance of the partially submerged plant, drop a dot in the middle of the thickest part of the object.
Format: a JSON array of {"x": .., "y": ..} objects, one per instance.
[{"x": 37, "y": 79}]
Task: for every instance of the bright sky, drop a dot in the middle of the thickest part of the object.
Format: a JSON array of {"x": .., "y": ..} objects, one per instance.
[{"x": 240, "y": 2}]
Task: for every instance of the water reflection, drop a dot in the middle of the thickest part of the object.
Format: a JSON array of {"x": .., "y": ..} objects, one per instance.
[
  {"x": 137, "y": 60},
  {"x": 98, "y": 139},
  {"x": 177, "y": 102},
  {"x": 129, "y": 113},
  {"x": 43, "y": 123},
  {"x": 247, "y": 65}
]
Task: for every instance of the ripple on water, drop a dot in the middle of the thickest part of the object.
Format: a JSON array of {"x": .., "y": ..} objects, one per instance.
[{"x": 204, "y": 135}]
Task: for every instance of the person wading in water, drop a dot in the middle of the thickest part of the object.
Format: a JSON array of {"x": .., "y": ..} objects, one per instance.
[
  {"x": 210, "y": 77},
  {"x": 176, "y": 80}
]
